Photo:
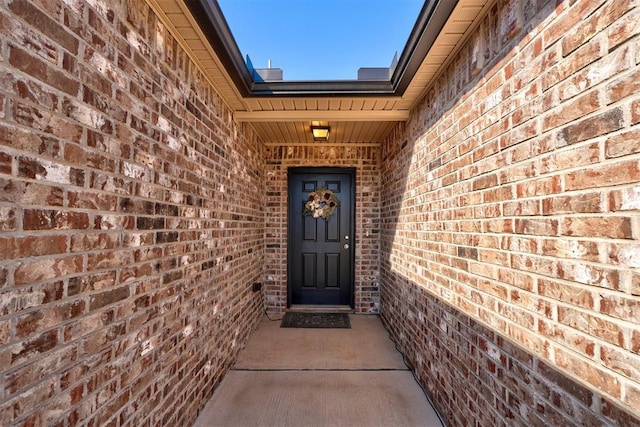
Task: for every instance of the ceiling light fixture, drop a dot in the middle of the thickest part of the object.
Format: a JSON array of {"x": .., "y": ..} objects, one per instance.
[{"x": 320, "y": 133}]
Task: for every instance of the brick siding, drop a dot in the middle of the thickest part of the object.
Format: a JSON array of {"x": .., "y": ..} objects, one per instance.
[
  {"x": 130, "y": 220},
  {"x": 366, "y": 160},
  {"x": 510, "y": 268},
  {"x": 496, "y": 231}
]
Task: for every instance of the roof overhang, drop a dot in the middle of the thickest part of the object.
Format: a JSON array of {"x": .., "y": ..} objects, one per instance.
[
  {"x": 433, "y": 15},
  {"x": 359, "y": 112}
]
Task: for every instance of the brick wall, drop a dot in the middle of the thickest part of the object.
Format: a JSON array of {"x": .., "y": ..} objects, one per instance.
[
  {"x": 366, "y": 159},
  {"x": 510, "y": 221},
  {"x": 131, "y": 222}
]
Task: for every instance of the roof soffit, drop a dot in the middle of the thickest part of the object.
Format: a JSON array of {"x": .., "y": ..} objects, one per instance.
[{"x": 283, "y": 107}]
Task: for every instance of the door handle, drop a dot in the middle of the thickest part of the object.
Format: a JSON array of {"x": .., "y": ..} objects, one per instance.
[{"x": 346, "y": 246}]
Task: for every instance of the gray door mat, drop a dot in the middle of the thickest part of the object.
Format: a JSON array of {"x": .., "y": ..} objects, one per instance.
[{"x": 293, "y": 319}]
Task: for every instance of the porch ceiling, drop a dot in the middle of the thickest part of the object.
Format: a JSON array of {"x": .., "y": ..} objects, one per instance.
[{"x": 357, "y": 111}]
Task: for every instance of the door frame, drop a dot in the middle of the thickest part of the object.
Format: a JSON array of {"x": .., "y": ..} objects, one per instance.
[{"x": 298, "y": 170}]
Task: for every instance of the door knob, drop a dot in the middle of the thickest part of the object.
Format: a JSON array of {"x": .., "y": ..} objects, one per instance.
[{"x": 346, "y": 246}]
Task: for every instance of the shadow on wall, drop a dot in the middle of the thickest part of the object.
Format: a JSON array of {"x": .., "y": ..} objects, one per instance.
[
  {"x": 477, "y": 376},
  {"x": 474, "y": 191}
]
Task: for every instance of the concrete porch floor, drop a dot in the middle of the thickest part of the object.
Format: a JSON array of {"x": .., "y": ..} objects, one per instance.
[{"x": 319, "y": 377}]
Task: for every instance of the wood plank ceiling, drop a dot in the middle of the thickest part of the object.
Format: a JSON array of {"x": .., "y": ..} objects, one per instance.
[{"x": 354, "y": 118}]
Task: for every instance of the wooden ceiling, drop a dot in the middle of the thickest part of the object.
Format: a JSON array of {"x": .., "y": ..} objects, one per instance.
[{"x": 280, "y": 118}]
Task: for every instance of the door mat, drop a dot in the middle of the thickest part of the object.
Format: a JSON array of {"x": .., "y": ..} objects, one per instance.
[{"x": 315, "y": 320}]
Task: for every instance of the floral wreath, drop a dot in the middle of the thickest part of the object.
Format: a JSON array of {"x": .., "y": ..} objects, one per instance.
[{"x": 321, "y": 203}]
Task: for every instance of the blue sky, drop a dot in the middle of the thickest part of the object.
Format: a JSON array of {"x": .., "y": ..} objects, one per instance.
[{"x": 321, "y": 39}]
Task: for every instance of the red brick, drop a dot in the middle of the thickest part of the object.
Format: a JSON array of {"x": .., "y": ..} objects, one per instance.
[
  {"x": 631, "y": 396},
  {"x": 579, "y": 59},
  {"x": 577, "y": 156},
  {"x": 6, "y": 162},
  {"x": 621, "y": 307},
  {"x": 38, "y": 94},
  {"x": 46, "y": 122},
  {"x": 27, "y": 140},
  {"x": 74, "y": 153},
  {"x": 510, "y": 22},
  {"x": 91, "y": 200},
  {"x": 624, "y": 254},
  {"x": 615, "y": 411},
  {"x": 28, "y": 297},
  {"x": 623, "y": 144},
  {"x": 572, "y": 110},
  {"x": 4, "y": 277},
  {"x": 47, "y": 317},
  {"x": 635, "y": 112},
  {"x": 624, "y": 86},
  {"x": 34, "y": 246},
  {"x": 8, "y": 220},
  {"x": 623, "y": 29},
  {"x": 148, "y": 223},
  {"x": 634, "y": 286},
  {"x": 534, "y": 264},
  {"x": 599, "y": 226},
  {"x": 104, "y": 104},
  {"x": 540, "y": 187},
  {"x": 30, "y": 193},
  {"x": 616, "y": 62},
  {"x": 569, "y": 337},
  {"x": 592, "y": 127},
  {"x": 37, "y": 345},
  {"x": 635, "y": 341},
  {"x": 33, "y": 397},
  {"x": 620, "y": 361},
  {"x": 87, "y": 116},
  {"x": 521, "y": 208},
  {"x": 43, "y": 22},
  {"x": 594, "y": 375},
  {"x": 566, "y": 293},
  {"x": 39, "y": 219},
  {"x": 571, "y": 248},
  {"x": 37, "y": 44},
  {"x": 538, "y": 226},
  {"x": 140, "y": 239},
  {"x": 89, "y": 242},
  {"x": 114, "y": 222},
  {"x": 103, "y": 260},
  {"x": 582, "y": 203},
  {"x": 41, "y": 70},
  {"x": 603, "y": 176},
  {"x": 625, "y": 199},
  {"x": 499, "y": 225},
  {"x": 118, "y": 148},
  {"x": 574, "y": 15},
  {"x": 47, "y": 269},
  {"x": 589, "y": 275},
  {"x": 595, "y": 23}
]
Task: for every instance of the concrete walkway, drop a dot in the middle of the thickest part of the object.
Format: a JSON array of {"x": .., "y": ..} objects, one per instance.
[{"x": 319, "y": 377}]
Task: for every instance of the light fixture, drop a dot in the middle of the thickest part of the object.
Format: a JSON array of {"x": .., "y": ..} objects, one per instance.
[{"x": 320, "y": 133}]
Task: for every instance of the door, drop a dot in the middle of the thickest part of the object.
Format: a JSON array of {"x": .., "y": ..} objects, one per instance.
[{"x": 321, "y": 250}]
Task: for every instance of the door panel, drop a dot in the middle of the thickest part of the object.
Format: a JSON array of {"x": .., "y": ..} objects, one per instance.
[{"x": 320, "y": 265}]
